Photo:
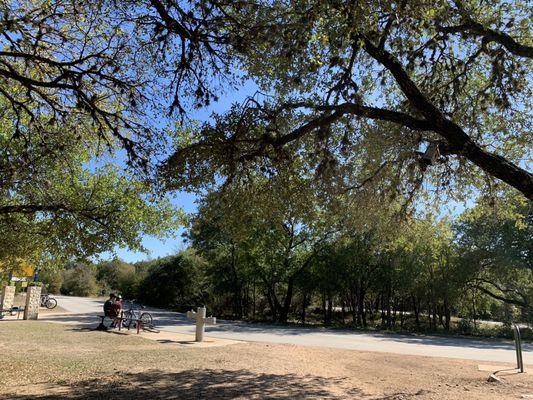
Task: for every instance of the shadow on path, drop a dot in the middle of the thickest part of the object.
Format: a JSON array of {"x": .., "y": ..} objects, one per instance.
[
  {"x": 201, "y": 384},
  {"x": 179, "y": 323}
]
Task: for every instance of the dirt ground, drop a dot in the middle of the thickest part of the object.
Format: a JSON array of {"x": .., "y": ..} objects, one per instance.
[{"x": 49, "y": 361}]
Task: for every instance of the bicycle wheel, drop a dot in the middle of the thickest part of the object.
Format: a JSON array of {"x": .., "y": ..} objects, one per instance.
[
  {"x": 146, "y": 319},
  {"x": 126, "y": 322},
  {"x": 51, "y": 303}
]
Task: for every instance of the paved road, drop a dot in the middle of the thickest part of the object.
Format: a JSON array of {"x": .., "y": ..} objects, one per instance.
[{"x": 83, "y": 311}]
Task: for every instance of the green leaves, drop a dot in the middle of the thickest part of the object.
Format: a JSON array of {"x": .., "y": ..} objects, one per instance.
[{"x": 72, "y": 202}]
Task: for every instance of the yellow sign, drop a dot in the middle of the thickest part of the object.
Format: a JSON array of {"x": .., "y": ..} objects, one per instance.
[{"x": 18, "y": 267}]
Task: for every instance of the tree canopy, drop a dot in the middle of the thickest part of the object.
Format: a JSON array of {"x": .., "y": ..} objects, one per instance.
[
  {"x": 387, "y": 95},
  {"x": 412, "y": 96},
  {"x": 70, "y": 203},
  {"x": 362, "y": 109}
]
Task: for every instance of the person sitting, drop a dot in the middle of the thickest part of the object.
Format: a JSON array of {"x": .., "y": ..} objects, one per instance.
[
  {"x": 115, "y": 310},
  {"x": 108, "y": 304}
]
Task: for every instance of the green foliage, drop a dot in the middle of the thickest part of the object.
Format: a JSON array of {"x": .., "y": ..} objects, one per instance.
[
  {"x": 174, "y": 281},
  {"x": 52, "y": 279},
  {"x": 70, "y": 201},
  {"x": 80, "y": 280},
  {"x": 312, "y": 191},
  {"x": 118, "y": 276},
  {"x": 360, "y": 90},
  {"x": 496, "y": 245},
  {"x": 415, "y": 274}
]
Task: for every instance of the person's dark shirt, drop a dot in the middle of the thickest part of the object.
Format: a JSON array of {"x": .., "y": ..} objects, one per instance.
[
  {"x": 107, "y": 306},
  {"x": 115, "y": 309}
]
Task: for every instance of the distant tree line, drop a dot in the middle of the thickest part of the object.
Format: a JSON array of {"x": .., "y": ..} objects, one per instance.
[{"x": 426, "y": 276}]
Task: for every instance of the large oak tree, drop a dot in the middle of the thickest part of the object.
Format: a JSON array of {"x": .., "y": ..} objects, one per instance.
[
  {"x": 392, "y": 97},
  {"x": 421, "y": 91}
]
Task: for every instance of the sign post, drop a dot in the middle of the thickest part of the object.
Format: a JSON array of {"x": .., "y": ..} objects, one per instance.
[{"x": 518, "y": 345}]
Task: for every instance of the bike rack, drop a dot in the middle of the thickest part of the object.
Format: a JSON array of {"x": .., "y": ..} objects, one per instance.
[{"x": 518, "y": 346}]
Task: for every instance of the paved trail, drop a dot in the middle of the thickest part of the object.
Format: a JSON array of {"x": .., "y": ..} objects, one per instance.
[{"x": 83, "y": 310}]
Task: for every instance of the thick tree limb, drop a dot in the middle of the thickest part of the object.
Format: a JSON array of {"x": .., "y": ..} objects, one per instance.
[
  {"x": 457, "y": 138},
  {"x": 50, "y": 208},
  {"x": 489, "y": 35},
  {"x": 332, "y": 114},
  {"x": 31, "y": 208},
  {"x": 501, "y": 297},
  {"x": 171, "y": 23}
]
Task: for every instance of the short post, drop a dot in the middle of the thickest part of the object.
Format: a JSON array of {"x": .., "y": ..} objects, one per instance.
[
  {"x": 33, "y": 301},
  {"x": 518, "y": 346},
  {"x": 201, "y": 321},
  {"x": 7, "y": 299}
]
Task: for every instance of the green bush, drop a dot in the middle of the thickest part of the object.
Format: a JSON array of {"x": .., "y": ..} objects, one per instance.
[
  {"x": 173, "y": 281},
  {"x": 466, "y": 326},
  {"x": 52, "y": 280},
  {"x": 80, "y": 281}
]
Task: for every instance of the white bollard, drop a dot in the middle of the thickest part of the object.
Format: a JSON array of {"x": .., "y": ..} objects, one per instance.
[{"x": 201, "y": 321}]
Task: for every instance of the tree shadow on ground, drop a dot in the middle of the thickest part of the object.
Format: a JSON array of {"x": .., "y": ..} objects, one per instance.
[{"x": 200, "y": 384}]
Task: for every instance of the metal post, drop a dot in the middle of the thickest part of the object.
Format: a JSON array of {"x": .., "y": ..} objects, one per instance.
[{"x": 518, "y": 346}]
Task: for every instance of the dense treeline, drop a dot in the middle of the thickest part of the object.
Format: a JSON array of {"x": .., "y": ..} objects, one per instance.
[
  {"x": 420, "y": 276},
  {"x": 313, "y": 191},
  {"x": 415, "y": 277}
]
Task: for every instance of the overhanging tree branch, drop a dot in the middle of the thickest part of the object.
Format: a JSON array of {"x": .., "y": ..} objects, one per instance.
[
  {"x": 496, "y": 296},
  {"x": 457, "y": 138},
  {"x": 489, "y": 35}
]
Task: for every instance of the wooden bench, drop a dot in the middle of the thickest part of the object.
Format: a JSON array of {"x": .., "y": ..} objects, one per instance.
[
  {"x": 101, "y": 327},
  {"x": 12, "y": 311}
]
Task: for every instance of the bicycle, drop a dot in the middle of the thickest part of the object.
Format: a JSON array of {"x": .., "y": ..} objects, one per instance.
[
  {"x": 134, "y": 313},
  {"x": 48, "y": 301}
]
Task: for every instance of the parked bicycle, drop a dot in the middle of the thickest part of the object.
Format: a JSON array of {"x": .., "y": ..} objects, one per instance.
[
  {"x": 133, "y": 313},
  {"x": 48, "y": 301}
]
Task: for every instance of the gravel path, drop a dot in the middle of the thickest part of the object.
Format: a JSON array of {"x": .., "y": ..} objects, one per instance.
[
  {"x": 78, "y": 363},
  {"x": 83, "y": 311}
]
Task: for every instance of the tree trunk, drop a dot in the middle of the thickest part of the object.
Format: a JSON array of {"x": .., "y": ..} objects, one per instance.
[
  {"x": 284, "y": 310},
  {"x": 353, "y": 305},
  {"x": 447, "y": 314},
  {"x": 253, "y": 301},
  {"x": 361, "y": 306},
  {"x": 237, "y": 296},
  {"x": 304, "y": 306},
  {"x": 416, "y": 310},
  {"x": 271, "y": 303},
  {"x": 324, "y": 312},
  {"x": 329, "y": 314},
  {"x": 388, "y": 302},
  {"x": 402, "y": 308}
]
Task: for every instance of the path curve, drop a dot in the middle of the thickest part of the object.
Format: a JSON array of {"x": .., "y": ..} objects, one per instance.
[{"x": 83, "y": 311}]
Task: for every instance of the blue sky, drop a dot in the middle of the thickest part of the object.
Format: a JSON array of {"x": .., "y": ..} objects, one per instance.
[
  {"x": 185, "y": 201},
  {"x": 160, "y": 247}
]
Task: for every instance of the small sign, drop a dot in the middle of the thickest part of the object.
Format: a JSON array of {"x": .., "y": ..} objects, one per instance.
[{"x": 19, "y": 279}]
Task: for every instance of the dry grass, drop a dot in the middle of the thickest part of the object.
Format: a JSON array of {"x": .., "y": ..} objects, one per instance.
[{"x": 48, "y": 361}]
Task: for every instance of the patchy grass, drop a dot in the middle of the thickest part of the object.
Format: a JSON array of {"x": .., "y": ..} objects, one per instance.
[{"x": 49, "y": 361}]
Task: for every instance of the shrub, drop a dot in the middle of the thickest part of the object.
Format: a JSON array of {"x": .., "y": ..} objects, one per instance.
[
  {"x": 173, "y": 281},
  {"x": 80, "y": 281},
  {"x": 52, "y": 280},
  {"x": 465, "y": 326}
]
